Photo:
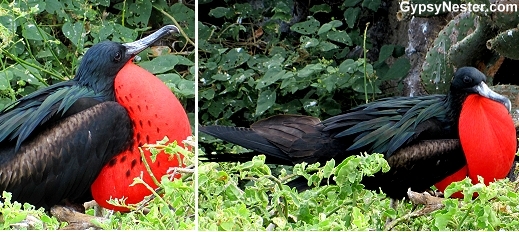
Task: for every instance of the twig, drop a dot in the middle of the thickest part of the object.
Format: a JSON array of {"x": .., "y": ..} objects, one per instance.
[
  {"x": 187, "y": 170},
  {"x": 24, "y": 63},
  {"x": 176, "y": 24},
  {"x": 29, "y": 222}
]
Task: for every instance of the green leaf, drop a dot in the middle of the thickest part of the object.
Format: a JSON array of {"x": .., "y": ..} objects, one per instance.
[
  {"x": 75, "y": 33},
  {"x": 351, "y": 15},
  {"x": 442, "y": 220},
  {"x": 207, "y": 94},
  {"x": 328, "y": 26},
  {"x": 103, "y": 2},
  {"x": 180, "y": 86},
  {"x": 184, "y": 15},
  {"x": 385, "y": 52},
  {"x": 54, "y": 7},
  {"x": 5, "y": 77},
  {"x": 234, "y": 58},
  {"x": 327, "y": 46},
  {"x": 359, "y": 220},
  {"x": 266, "y": 99},
  {"x": 32, "y": 32},
  {"x": 139, "y": 13},
  {"x": 339, "y": 36},
  {"x": 288, "y": 82},
  {"x": 324, "y": 28},
  {"x": 104, "y": 31},
  {"x": 204, "y": 32},
  {"x": 324, "y": 8},
  {"x": 272, "y": 75},
  {"x": 275, "y": 61},
  {"x": 282, "y": 11},
  {"x": 160, "y": 64},
  {"x": 350, "y": 3},
  {"x": 123, "y": 34},
  {"x": 335, "y": 23},
  {"x": 221, "y": 77},
  {"x": 219, "y": 12},
  {"x": 328, "y": 168},
  {"x": 348, "y": 66},
  {"x": 281, "y": 222},
  {"x": 371, "y": 4},
  {"x": 307, "y": 42},
  {"x": 310, "y": 70},
  {"x": 307, "y": 27},
  {"x": 227, "y": 225},
  {"x": 28, "y": 74},
  {"x": 399, "y": 69}
]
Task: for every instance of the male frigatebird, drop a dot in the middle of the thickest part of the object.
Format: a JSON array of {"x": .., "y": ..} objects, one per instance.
[
  {"x": 425, "y": 139},
  {"x": 58, "y": 143}
]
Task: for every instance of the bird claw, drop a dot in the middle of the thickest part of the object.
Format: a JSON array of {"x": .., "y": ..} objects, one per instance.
[
  {"x": 431, "y": 202},
  {"x": 76, "y": 220}
]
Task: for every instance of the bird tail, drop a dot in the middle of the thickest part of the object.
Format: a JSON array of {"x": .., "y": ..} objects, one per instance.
[{"x": 247, "y": 138}]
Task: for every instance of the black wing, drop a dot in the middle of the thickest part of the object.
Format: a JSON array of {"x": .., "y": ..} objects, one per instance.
[
  {"x": 284, "y": 139},
  {"x": 19, "y": 119},
  {"x": 388, "y": 124},
  {"x": 64, "y": 159}
]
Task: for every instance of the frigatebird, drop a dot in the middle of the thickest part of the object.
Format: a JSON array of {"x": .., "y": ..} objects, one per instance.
[
  {"x": 425, "y": 139},
  {"x": 56, "y": 142}
]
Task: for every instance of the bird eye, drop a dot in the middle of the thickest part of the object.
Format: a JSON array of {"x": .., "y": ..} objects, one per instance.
[
  {"x": 467, "y": 79},
  {"x": 117, "y": 57}
]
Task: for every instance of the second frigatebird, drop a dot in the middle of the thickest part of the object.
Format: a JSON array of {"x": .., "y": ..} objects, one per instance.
[
  {"x": 57, "y": 142},
  {"x": 425, "y": 139}
]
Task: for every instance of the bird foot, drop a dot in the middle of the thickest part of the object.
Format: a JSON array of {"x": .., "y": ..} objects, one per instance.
[
  {"x": 435, "y": 193},
  {"x": 76, "y": 220},
  {"x": 431, "y": 203},
  {"x": 98, "y": 210}
]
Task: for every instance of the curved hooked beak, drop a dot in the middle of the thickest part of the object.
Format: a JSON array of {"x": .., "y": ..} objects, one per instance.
[
  {"x": 483, "y": 90},
  {"x": 135, "y": 47}
]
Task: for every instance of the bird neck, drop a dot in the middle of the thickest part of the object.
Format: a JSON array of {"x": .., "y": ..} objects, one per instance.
[
  {"x": 454, "y": 102},
  {"x": 102, "y": 85}
]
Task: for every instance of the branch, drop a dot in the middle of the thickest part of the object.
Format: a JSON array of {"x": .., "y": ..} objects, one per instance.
[{"x": 176, "y": 24}]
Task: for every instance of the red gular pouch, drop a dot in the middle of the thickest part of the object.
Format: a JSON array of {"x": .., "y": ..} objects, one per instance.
[
  {"x": 155, "y": 112},
  {"x": 488, "y": 139}
]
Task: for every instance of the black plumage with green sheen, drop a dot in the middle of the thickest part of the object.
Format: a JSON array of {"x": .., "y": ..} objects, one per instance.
[
  {"x": 55, "y": 141},
  {"x": 417, "y": 135},
  {"x": 92, "y": 84}
]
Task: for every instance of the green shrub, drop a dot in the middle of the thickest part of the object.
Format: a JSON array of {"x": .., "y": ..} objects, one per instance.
[{"x": 253, "y": 66}]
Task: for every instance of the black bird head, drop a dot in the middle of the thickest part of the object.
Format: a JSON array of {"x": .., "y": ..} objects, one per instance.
[
  {"x": 103, "y": 61},
  {"x": 469, "y": 80}
]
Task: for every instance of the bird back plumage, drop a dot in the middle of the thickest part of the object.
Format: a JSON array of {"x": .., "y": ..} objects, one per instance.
[{"x": 19, "y": 119}]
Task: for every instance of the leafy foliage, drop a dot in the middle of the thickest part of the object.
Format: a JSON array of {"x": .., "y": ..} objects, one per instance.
[
  {"x": 18, "y": 216},
  {"x": 269, "y": 201},
  {"x": 266, "y": 58},
  {"x": 266, "y": 203}
]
